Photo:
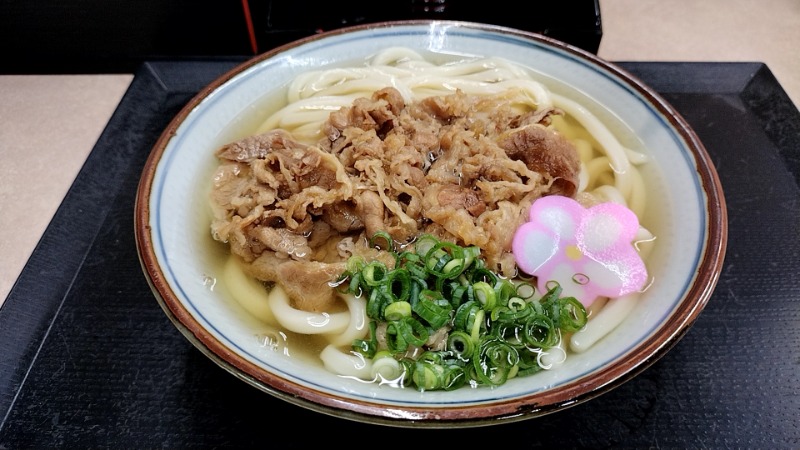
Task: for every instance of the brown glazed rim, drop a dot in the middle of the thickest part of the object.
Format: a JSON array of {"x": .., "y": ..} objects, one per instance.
[{"x": 536, "y": 404}]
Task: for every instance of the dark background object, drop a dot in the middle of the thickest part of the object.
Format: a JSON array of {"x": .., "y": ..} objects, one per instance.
[
  {"x": 575, "y": 22},
  {"x": 114, "y": 36},
  {"x": 89, "y": 360}
]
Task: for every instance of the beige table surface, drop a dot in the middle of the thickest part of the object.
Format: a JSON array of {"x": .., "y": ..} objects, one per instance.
[{"x": 49, "y": 124}]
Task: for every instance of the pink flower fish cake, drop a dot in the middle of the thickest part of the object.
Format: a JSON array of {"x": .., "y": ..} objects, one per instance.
[{"x": 589, "y": 252}]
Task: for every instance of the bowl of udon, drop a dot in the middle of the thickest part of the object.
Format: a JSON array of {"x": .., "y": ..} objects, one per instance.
[{"x": 431, "y": 223}]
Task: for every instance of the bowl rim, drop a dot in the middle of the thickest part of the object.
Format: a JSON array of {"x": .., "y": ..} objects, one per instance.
[{"x": 539, "y": 403}]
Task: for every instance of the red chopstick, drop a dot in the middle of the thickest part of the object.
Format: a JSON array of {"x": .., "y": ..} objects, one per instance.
[{"x": 250, "y": 29}]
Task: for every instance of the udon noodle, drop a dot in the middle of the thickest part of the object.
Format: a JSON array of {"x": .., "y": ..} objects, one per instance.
[{"x": 609, "y": 172}]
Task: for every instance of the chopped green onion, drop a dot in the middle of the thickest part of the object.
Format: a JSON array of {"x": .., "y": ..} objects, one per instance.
[
  {"x": 504, "y": 290},
  {"x": 398, "y": 284},
  {"x": 540, "y": 332},
  {"x": 465, "y": 315},
  {"x": 517, "y": 303},
  {"x": 424, "y": 244},
  {"x": 388, "y": 242},
  {"x": 509, "y": 314},
  {"x": 455, "y": 292},
  {"x": 488, "y": 329},
  {"x": 573, "y": 314},
  {"x": 413, "y": 331},
  {"x": 485, "y": 275},
  {"x": 427, "y": 376},
  {"x": 431, "y": 357},
  {"x": 433, "y": 308},
  {"x": 376, "y": 304},
  {"x": 477, "y": 324},
  {"x": 511, "y": 332},
  {"x": 397, "y": 310},
  {"x": 417, "y": 273},
  {"x": 485, "y": 294},
  {"x": 395, "y": 338},
  {"x": 355, "y": 285},
  {"x": 493, "y": 360},
  {"x": 435, "y": 373},
  {"x": 408, "y": 371},
  {"x": 461, "y": 344},
  {"x": 374, "y": 273},
  {"x": 367, "y": 347},
  {"x": 356, "y": 263},
  {"x": 453, "y": 377},
  {"x": 525, "y": 290}
]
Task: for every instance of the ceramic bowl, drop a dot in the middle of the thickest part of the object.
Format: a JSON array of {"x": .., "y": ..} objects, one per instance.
[{"x": 182, "y": 263}]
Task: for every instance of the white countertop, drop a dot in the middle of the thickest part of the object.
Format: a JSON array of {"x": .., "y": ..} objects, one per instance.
[{"x": 50, "y": 123}]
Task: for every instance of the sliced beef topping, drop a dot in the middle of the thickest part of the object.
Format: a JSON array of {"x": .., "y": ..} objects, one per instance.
[
  {"x": 463, "y": 167},
  {"x": 258, "y": 146},
  {"x": 545, "y": 151},
  {"x": 461, "y": 198}
]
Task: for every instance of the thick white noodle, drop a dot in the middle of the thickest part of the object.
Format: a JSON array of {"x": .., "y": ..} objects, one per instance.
[
  {"x": 387, "y": 369},
  {"x": 643, "y": 242},
  {"x": 313, "y": 95},
  {"x": 635, "y": 157},
  {"x": 583, "y": 178},
  {"x": 397, "y": 55},
  {"x": 554, "y": 356},
  {"x": 584, "y": 147},
  {"x": 348, "y": 364},
  {"x": 612, "y": 314},
  {"x": 598, "y": 166},
  {"x": 637, "y": 201},
  {"x": 614, "y": 150},
  {"x": 305, "y": 322},
  {"x": 358, "y": 326},
  {"x": 610, "y": 194},
  {"x": 247, "y": 291}
]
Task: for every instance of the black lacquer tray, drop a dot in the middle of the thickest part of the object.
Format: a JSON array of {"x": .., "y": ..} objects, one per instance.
[{"x": 89, "y": 360}]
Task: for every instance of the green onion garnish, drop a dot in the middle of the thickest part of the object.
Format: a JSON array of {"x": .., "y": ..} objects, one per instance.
[{"x": 485, "y": 328}]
